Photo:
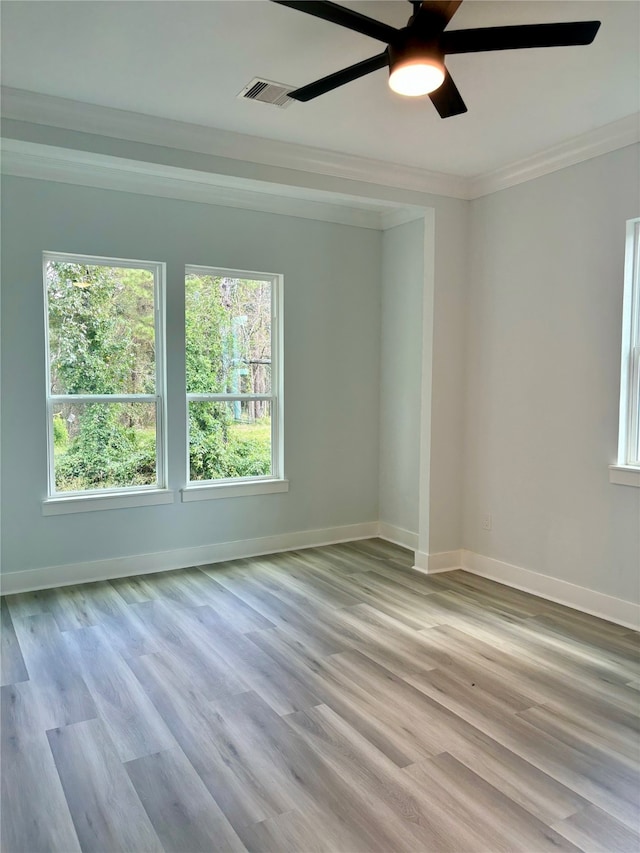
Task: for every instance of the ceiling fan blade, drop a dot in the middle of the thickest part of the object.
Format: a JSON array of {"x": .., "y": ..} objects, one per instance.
[
  {"x": 444, "y": 9},
  {"x": 523, "y": 36},
  {"x": 326, "y": 84},
  {"x": 447, "y": 99},
  {"x": 343, "y": 17}
]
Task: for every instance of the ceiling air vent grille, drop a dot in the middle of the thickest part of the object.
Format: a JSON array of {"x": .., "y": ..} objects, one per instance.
[{"x": 267, "y": 92}]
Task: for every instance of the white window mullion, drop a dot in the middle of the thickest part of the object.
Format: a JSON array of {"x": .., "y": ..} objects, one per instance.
[
  {"x": 275, "y": 380},
  {"x": 103, "y": 398},
  {"x": 161, "y": 470},
  {"x": 277, "y": 375},
  {"x": 633, "y": 450},
  {"x": 634, "y": 264},
  {"x": 51, "y": 474},
  {"x": 227, "y": 398},
  {"x": 275, "y": 431},
  {"x": 162, "y": 459}
]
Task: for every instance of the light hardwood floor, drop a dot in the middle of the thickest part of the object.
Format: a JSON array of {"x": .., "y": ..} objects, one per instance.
[{"x": 323, "y": 700}]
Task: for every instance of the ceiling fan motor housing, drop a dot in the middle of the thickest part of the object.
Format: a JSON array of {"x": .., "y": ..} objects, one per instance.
[{"x": 410, "y": 46}]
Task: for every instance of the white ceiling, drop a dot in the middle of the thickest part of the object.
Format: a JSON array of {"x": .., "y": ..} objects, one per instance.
[{"x": 188, "y": 61}]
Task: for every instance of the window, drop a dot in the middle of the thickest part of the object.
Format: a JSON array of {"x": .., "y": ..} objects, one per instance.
[
  {"x": 627, "y": 471},
  {"x": 233, "y": 363},
  {"x": 105, "y": 376}
]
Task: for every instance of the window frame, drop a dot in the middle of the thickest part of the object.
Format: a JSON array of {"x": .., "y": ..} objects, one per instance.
[
  {"x": 627, "y": 470},
  {"x": 267, "y": 483},
  {"x": 93, "y": 499}
]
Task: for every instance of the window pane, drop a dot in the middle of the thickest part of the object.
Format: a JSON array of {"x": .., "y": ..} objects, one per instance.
[
  {"x": 104, "y": 445},
  {"x": 228, "y": 335},
  {"x": 229, "y": 439},
  {"x": 101, "y": 329}
]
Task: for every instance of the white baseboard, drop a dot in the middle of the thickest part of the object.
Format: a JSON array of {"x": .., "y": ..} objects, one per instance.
[
  {"x": 182, "y": 558},
  {"x": 562, "y": 592},
  {"x": 444, "y": 561},
  {"x": 579, "y": 598},
  {"x": 398, "y": 535}
]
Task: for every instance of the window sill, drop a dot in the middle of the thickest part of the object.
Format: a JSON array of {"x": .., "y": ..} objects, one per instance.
[
  {"x": 214, "y": 491},
  {"x": 92, "y": 503},
  {"x": 624, "y": 475}
]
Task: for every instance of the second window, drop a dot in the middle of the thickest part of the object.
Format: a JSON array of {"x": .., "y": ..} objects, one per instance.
[{"x": 232, "y": 370}]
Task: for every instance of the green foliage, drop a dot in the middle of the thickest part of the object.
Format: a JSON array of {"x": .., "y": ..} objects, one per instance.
[
  {"x": 101, "y": 341},
  {"x": 213, "y": 457},
  {"x": 105, "y": 453},
  {"x": 219, "y": 448},
  {"x": 208, "y": 437},
  {"x": 60, "y": 433},
  {"x": 100, "y": 329},
  {"x": 227, "y": 324},
  {"x": 208, "y": 330},
  {"x": 250, "y": 457}
]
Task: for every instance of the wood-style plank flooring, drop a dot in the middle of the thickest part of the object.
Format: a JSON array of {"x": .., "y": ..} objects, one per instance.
[{"x": 329, "y": 699}]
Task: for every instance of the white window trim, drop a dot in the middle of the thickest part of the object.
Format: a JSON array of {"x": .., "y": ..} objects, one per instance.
[
  {"x": 233, "y": 489},
  {"x": 197, "y": 490},
  {"x": 626, "y": 472},
  {"x": 624, "y": 475},
  {"x": 110, "y": 500},
  {"x": 57, "y": 503}
]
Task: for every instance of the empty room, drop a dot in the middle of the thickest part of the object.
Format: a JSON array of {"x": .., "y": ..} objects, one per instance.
[{"x": 320, "y": 426}]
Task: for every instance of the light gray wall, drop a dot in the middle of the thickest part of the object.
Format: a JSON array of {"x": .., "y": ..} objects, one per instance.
[
  {"x": 332, "y": 358},
  {"x": 424, "y": 282},
  {"x": 446, "y": 462},
  {"x": 543, "y": 362},
  {"x": 522, "y": 352},
  {"x": 403, "y": 262}
]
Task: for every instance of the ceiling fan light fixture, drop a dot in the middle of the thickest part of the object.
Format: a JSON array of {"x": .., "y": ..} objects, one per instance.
[
  {"x": 416, "y": 77},
  {"x": 416, "y": 64}
]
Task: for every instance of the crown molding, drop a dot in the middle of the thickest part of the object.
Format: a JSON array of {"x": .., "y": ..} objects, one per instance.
[
  {"x": 36, "y": 108},
  {"x": 602, "y": 140},
  {"x": 46, "y": 110},
  {"x": 44, "y": 162}
]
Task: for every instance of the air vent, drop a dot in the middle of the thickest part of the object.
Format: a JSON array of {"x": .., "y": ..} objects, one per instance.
[{"x": 267, "y": 92}]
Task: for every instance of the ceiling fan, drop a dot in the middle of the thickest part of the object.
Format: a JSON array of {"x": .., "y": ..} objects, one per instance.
[{"x": 415, "y": 54}]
